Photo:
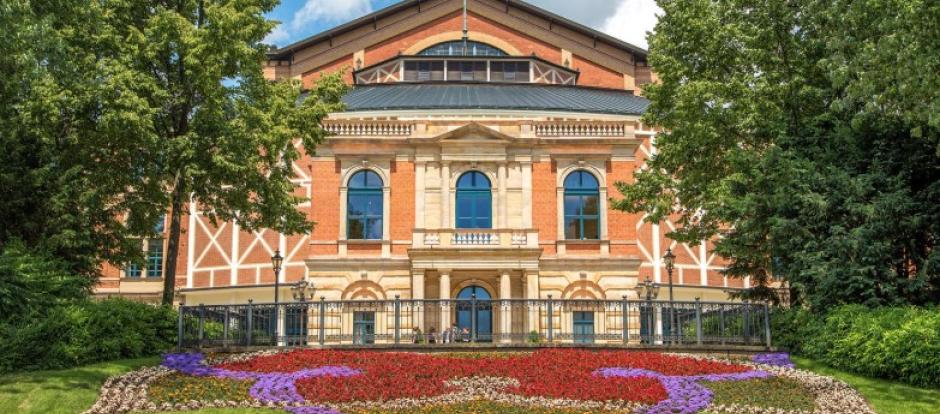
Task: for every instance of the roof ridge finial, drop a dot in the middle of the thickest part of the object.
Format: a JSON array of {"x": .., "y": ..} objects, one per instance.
[{"x": 466, "y": 31}]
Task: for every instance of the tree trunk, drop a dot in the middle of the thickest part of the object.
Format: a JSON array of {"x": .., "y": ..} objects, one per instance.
[{"x": 173, "y": 243}]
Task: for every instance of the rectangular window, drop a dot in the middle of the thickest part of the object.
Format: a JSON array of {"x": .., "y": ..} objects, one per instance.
[
  {"x": 583, "y": 327},
  {"x": 155, "y": 258},
  {"x": 509, "y": 71},
  {"x": 132, "y": 271},
  {"x": 416, "y": 70},
  {"x": 582, "y": 218},
  {"x": 152, "y": 267},
  {"x": 466, "y": 71},
  {"x": 364, "y": 216}
]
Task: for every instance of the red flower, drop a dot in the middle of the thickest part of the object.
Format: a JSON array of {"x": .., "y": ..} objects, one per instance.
[{"x": 556, "y": 373}]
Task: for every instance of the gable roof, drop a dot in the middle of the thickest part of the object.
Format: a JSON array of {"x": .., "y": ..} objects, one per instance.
[
  {"x": 286, "y": 51},
  {"x": 535, "y": 97}
]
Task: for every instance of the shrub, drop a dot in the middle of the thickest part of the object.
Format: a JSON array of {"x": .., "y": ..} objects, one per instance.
[
  {"x": 900, "y": 343},
  {"x": 86, "y": 332}
]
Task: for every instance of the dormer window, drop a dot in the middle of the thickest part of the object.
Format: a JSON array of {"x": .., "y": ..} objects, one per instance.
[
  {"x": 517, "y": 71},
  {"x": 423, "y": 71},
  {"x": 466, "y": 71}
]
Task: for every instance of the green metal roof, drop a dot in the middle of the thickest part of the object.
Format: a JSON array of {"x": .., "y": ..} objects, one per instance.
[{"x": 493, "y": 96}]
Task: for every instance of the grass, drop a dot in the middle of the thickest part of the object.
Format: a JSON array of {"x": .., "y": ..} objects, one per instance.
[
  {"x": 886, "y": 397},
  {"x": 68, "y": 391}
]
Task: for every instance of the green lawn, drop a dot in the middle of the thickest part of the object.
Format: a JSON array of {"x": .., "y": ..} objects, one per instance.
[
  {"x": 68, "y": 391},
  {"x": 887, "y": 397},
  {"x": 71, "y": 391}
]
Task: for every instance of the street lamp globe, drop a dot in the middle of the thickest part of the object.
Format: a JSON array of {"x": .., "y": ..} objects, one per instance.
[
  {"x": 670, "y": 260},
  {"x": 276, "y": 261}
]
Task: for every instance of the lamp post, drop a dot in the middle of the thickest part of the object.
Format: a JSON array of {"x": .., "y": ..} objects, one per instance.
[
  {"x": 651, "y": 291},
  {"x": 276, "y": 262},
  {"x": 670, "y": 260},
  {"x": 301, "y": 291}
]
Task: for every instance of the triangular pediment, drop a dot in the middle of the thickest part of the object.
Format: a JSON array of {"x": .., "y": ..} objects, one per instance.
[
  {"x": 473, "y": 133},
  {"x": 490, "y": 21}
]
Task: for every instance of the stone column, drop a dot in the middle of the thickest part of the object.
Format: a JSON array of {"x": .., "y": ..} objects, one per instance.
[
  {"x": 445, "y": 305},
  {"x": 527, "y": 194},
  {"x": 445, "y": 195},
  {"x": 501, "y": 196},
  {"x": 417, "y": 293},
  {"x": 532, "y": 292},
  {"x": 505, "y": 310}
]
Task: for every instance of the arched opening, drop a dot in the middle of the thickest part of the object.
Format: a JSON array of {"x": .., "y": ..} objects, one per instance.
[
  {"x": 474, "y": 201},
  {"x": 364, "y": 206},
  {"x": 475, "y": 314},
  {"x": 582, "y": 206},
  {"x": 457, "y": 48}
]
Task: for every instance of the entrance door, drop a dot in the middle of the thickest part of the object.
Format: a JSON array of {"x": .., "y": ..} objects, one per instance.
[
  {"x": 363, "y": 328},
  {"x": 483, "y": 314},
  {"x": 583, "y": 327}
]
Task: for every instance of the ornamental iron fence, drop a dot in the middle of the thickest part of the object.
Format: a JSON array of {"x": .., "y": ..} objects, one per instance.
[{"x": 473, "y": 321}]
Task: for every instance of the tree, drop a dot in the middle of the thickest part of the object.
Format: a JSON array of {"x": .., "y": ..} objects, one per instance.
[
  {"x": 121, "y": 111},
  {"x": 221, "y": 135},
  {"x": 789, "y": 135},
  {"x": 68, "y": 128}
]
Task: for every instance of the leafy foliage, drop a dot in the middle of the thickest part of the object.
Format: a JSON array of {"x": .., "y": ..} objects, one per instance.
[
  {"x": 117, "y": 112},
  {"x": 795, "y": 130},
  {"x": 30, "y": 284},
  {"x": 776, "y": 392},
  {"x": 177, "y": 388},
  {"x": 896, "y": 343},
  {"x": 85, "y": 332}
]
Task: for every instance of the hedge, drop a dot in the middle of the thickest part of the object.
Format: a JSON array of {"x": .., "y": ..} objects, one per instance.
[
  {"x": 901, "y": 343},
  {"x": 86, "y": 332}
]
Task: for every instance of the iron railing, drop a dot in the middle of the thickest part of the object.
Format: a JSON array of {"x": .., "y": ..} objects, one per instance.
[{"x": 470, "y": 321}]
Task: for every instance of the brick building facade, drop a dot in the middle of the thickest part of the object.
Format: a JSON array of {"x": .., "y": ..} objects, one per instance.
[{"x": 481, "y": 161}]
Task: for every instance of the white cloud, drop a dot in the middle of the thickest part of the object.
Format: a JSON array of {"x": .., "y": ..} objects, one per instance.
[
  {"x": 329, "y": 11},
  {"x": 320, "y": 14},
  {"x": 278, "y": 35},
  {"x": 631, "y": 21},
  {"x": 591, "y": 13}
]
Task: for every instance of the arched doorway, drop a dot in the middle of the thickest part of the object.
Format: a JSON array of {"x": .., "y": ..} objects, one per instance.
[{"x": 477, "y": 312}]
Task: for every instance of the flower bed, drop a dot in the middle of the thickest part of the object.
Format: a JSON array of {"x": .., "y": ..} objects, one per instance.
[{"x": 546, "y": 381}]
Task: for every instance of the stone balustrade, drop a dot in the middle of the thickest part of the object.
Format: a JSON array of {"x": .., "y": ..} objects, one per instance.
[
  {"x": 368, "y": 128},
  {"x": 580, "y": 129},
  {"x": 456, "y": 238}
]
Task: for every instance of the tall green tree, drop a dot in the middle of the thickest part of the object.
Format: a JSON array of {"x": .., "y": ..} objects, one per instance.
[
  {"x": 788, "y": 133},
  {"x": 68, "y": 128},
  {"x": 221, "y": 135},
  {"x": 121, "y": 111}
]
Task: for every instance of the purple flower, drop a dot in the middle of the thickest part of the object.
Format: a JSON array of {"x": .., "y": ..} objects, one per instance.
[
  {"x": 778, "y": 359},
  {"x": 686, "y": 395},
  {"x": 312, "y": 410},
  {"x": 268, "y": 387}
]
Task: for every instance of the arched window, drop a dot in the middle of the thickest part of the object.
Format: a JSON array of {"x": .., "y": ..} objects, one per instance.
[
  {"x": 456, "y": 48},
  {"x": 582, "y": 215},
  {"x": 474, "y": 201},
  {"x": 364, "y": 206}
]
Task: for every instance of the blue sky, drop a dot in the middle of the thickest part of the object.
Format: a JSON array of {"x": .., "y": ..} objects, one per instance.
[{"x": 625, "y": 19}]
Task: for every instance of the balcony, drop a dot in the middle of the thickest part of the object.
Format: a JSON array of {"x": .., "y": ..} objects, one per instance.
[{"x": 475, "y": 238}]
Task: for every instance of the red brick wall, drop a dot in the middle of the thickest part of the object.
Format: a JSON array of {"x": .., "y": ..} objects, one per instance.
[
  {"x": 402, "y": 208},
  {"x": 325, "y": 209},
  {"x": 545, "y": 217}
]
